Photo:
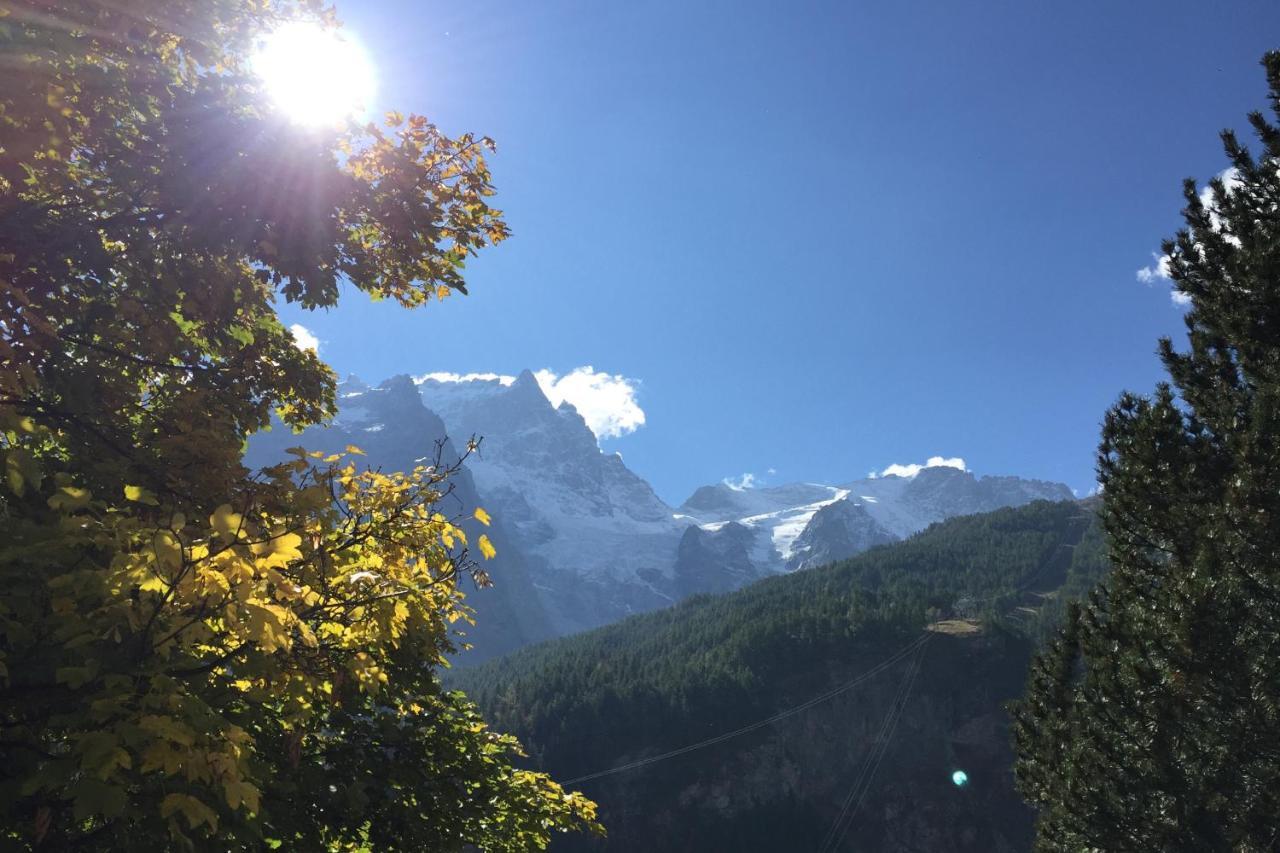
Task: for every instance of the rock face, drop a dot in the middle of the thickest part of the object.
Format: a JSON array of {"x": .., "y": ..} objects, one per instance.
[
  {"x": 719, "y": 561},
  {"x": 723, "y": 502},
  {"x": 398, "y": 432},
  {"x": 837, "y": 531},
  {"x": 940, "y": 493},
  {"x": 775, "y": 517},
  {"x": 601, "y": 543}
]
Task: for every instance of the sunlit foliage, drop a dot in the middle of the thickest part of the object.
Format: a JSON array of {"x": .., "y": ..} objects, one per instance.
[{"x": 192, "y": 654}]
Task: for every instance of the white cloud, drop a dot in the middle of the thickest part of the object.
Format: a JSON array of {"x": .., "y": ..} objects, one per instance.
[
  {"x": 464, "y": 377},
  {"x": 896, "y": 470},
  {"x": 606, "y": 401},
  {"x": 1159, "y": 272},
  {"x": 1230, "y": 179},
  {"x": 746, "y": 481},
  {"x": 303, "y": 339},
  {"x": 1152, "y": 274},
  {"x": 772, "y": 471}
]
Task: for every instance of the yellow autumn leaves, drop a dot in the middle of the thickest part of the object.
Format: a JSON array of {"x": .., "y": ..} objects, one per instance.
[{"x": 299, "y": 591}]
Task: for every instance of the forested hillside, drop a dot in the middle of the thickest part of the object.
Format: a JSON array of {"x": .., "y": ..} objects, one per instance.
[{"x": 665, "y": 680}]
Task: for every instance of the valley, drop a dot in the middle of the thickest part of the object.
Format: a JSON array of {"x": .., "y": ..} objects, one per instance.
[{"x": 637, "y": 713}]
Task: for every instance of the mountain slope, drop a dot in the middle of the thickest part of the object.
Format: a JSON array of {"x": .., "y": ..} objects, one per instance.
[{"x": 665, "y": 680}]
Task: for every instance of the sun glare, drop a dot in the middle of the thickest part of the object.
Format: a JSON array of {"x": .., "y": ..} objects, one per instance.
[{"x": 317, "y": 76}]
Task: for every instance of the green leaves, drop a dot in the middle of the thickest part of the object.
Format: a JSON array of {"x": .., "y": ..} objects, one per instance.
[
  {"x": 101, "y": 754},
  {"x": 95, "y": 798},
  {"x": 74, "y": 677}
]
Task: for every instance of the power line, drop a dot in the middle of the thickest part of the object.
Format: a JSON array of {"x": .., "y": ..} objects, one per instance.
[
  {"x": 844, "y": 820},
  {"x": 865, "y": 766},
  {"x": 915, "y": 644},
  {"x": 837, "y": 832},
  {"x": 750, "y": 727}
]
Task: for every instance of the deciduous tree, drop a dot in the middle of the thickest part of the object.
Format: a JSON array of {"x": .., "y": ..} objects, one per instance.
[{"x": 191, "y": 653}]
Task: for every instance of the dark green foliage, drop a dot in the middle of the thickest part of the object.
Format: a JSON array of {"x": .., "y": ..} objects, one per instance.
[
  {"x": 659, "y": 676},
  {"x": 664, "y": 680},
  {"x": 1154, "y": 722},
  {"x": 1088, "y": 565}
]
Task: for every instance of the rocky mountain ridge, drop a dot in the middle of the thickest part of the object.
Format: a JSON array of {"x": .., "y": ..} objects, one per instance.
[
  {"x": 584, "y": 541},
  {"x": 802, "y": 525}
]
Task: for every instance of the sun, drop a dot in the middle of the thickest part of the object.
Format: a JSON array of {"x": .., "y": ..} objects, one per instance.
[{"x": 316, "y": 75}]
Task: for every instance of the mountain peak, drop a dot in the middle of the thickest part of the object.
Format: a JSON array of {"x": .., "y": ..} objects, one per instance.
[
  {"x": 707, "y": 498},
  {"x": 352, "y": 385},
  {"x": 400, "y": 384},
  {"x": 526, "y": 388},
  {"x": 942, "y": 473}
]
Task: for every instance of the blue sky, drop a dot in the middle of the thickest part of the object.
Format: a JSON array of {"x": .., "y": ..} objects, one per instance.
[{"x": 818, "y": 238}]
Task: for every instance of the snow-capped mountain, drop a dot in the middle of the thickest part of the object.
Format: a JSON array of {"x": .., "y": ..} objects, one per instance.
[
  {"x": 778, "y": 514},
  {"x": 603, "y": 545},
  {"x": 601, "y": 542},
  {"x": 807, "y": 524},
  {"x": 837, "y": 531},
  {"x": 582, "y": 540}
]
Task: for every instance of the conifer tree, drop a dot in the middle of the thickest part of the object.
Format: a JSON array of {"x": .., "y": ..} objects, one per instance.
[{"x": 1153, "y": 722}]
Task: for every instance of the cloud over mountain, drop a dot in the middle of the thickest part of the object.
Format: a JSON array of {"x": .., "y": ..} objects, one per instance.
[
  {"x": 910, "y": 470},
  {"x": 606, "y": 401},
  {"x": 746, "y": 481}
]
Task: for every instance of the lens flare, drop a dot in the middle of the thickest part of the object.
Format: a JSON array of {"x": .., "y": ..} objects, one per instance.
[
  {"x": 960, "y": 778},
  {"x": 316, "y": 75}
]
